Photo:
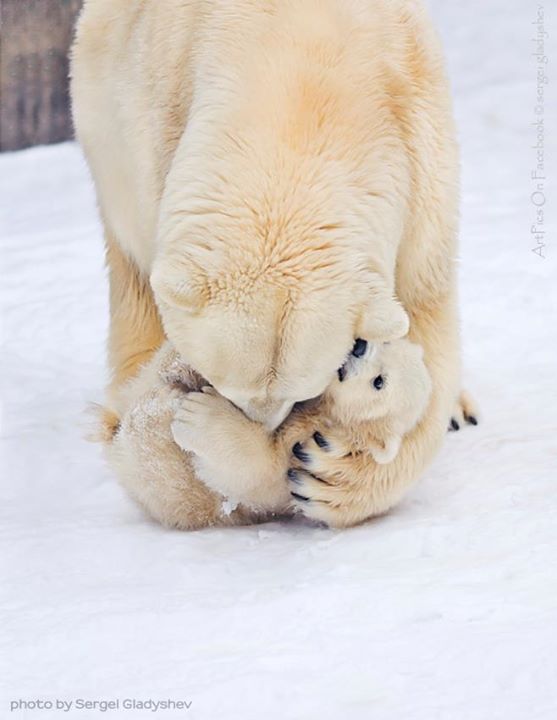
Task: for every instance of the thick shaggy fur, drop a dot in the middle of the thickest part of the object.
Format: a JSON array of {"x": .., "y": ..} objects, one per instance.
[{"x": 276, "y": 172}]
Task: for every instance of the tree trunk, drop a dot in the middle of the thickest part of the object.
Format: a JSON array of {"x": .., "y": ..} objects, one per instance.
[{"x": 34, "y": 98}]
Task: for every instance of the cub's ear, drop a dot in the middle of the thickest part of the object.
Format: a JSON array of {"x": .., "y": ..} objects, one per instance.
[
  {"x": 177, "y": 289},
  {"x": 383, "y": 319}
]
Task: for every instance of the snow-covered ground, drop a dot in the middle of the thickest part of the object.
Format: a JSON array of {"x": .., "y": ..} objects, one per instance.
[{"x": 445, "y": 609}]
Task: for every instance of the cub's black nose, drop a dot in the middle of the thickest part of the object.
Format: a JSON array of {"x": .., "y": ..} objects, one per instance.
[{"x": 360, "y": 347}]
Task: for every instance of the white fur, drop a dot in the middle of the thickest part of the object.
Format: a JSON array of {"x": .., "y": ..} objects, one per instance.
[{"x": 279, "y": 171}]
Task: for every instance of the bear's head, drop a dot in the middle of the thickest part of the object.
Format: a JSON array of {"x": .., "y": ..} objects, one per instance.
[{"x": 265, "y": 336}]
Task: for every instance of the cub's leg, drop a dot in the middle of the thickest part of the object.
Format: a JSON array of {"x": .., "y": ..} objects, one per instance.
[
  {"x": 152, "y": 468},
  {"x": 231, "y": 454}
]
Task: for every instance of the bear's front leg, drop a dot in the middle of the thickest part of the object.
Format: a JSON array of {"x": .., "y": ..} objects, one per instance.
[{"x": 231, "y": 454}]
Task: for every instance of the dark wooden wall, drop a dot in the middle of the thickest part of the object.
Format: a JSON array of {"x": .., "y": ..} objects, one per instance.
[{"x": 35, "y": 39}]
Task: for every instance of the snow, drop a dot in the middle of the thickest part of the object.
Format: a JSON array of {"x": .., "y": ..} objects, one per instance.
[{"x": 446, "y": 608}]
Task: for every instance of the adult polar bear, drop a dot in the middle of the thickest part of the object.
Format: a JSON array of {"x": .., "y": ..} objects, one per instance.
[{"x": 269, "y": 173}]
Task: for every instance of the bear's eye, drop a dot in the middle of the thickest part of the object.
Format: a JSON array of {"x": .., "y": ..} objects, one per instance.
[{"x": 378, "y": 382}]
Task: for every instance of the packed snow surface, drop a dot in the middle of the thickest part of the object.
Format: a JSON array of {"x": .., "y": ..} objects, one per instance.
[{"x": 446, "y": 608}]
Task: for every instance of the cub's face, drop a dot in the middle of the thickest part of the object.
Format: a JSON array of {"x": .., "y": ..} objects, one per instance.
[{"x": 379, "y": 380}]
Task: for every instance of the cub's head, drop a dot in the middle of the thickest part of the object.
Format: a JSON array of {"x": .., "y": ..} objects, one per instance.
[
  {"x": 266, "y": 336},
  {"x": 380, "y": 380}
]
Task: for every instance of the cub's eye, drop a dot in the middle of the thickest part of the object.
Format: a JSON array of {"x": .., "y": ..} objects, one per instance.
[{"x": 378, "y": 382}]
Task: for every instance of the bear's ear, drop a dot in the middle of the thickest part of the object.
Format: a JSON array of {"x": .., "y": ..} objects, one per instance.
[
  {"x": 177, "y": 288},
  {"x": 383, "y": 319}
]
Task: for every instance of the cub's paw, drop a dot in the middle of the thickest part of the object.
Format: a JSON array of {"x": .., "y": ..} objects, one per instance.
[
  {"x": 320, "y": 479},
  {"x": 204, "y": 421},
  {"x": 465, "y": 412}
]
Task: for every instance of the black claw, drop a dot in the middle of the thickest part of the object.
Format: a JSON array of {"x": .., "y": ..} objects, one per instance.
[
  {"x": 360, "y": 347},
  {"x": 471, "y": 419},
  {"x": 292, "y": 475},
  {"x": 299, "y": 452},
  {"x": 454, "y": 425},
  {"x": 299, "y": 497},
  {"x": 320, "y": 440}
]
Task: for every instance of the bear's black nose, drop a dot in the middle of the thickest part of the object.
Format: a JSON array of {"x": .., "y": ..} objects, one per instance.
[{"x": 360, "y": 346}]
